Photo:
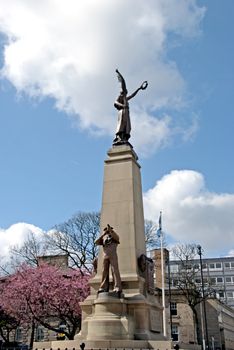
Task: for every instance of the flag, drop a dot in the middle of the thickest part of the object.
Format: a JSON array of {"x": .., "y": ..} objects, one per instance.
[
  {"x": 160, "y": 221},
  {"x": 159, "y": 224}
]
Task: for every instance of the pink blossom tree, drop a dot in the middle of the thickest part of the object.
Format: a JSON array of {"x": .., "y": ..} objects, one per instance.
[{"x": 41, "y": 294}]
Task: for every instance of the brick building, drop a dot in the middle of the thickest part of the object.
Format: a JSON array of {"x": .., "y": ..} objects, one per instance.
[
  {"x": 219, "y": 308},
  {"x": 217, "y": 271}
]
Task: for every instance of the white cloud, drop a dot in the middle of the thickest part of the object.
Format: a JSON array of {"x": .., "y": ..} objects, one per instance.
[
  {"x": 191, "y": 213},
  {"x": 16, "y": 234},
  {"x": 231, "y": 252},
  {"x": 69, "y": 51}
]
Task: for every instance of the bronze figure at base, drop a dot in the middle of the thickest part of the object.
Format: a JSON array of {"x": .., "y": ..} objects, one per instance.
[{"x": 109, "y": 240}]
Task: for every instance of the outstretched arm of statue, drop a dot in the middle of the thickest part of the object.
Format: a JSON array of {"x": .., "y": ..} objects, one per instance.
[
  {"x": 122, "y": 81},
  {"x": 133, "y": 94},
  {"x": 142, "y": 87}
]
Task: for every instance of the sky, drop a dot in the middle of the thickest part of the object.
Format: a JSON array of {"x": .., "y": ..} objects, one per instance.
[{"x": 57, "y": 89}]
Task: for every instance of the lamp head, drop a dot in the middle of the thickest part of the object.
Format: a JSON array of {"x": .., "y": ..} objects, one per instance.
[{"x": 199, "y": 249}]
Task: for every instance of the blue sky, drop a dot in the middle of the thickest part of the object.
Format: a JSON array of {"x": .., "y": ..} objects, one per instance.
[{"x": 57, "y": 90}]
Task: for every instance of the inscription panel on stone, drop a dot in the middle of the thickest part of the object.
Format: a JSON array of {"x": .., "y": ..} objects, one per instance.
[{"x": 155, "y": 321}]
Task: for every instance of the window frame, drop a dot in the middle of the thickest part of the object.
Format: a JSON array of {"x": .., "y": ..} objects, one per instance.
[
  {"x": 215, "y": 266},
  {"x": 175, "y": 332},
  {"x": 229, "y": 265},
  {"x": 19, "y": 334},
  {"x": 221, "y": 282},
  {"x": 230, "y": 292},
  {"x": 231, "y": 279},
  {"x": 40, "y": 334},
  {"x": 174, "y": 310}
]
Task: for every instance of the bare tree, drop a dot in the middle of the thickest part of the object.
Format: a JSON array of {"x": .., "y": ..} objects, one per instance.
[
  {"x": 28, "y": 252},
  {"x": 76, "y": 238},
  {"x": 186, "y": 279},
  {"x": 4, "y": 267}
]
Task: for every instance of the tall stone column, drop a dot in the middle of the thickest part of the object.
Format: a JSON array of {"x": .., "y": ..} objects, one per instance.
[
  {"x": 136, "y": 314},
  {"x": 122, "y": 208}
]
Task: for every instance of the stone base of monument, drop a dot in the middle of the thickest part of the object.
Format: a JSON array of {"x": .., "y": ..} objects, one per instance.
[
  {"x": 111, "y": 344},
  {"x": 127, "y": 318},
  {"x": 131, "y": 321},
  {"x": 109, "y": 319}
]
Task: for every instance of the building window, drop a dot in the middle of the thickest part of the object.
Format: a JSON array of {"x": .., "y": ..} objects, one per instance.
[
  {"x": 230, "y": 295},
  {"x": 196, "y": 267},
  {"x": 216, "y": 280},
  {"x": 229, "y": 279},
  {"x": 213, "y": 280},
  {"x": 175, "y": 332},
  {"x": 39, "y": 334},
  {"x": 198, "y": 280},
  {"x": 174, "y": 268},
  {"x": 229, "y": 265},
  {"x": 215, "y": 266},
  {"x": 174, "y": 282},
  {"x": 220, "y": 295},
  {"x": 173, "y": 308},
  {"x": 219, "y": 280},
  {"x": 19, "y": 334}
]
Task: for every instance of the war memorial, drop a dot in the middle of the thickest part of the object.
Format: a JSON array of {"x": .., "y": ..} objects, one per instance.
[{"x": 122, "y": 310}]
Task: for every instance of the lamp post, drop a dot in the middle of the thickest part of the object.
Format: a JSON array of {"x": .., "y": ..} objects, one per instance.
[
  {"x": 169, "y": 290},
  {"x": 199, "y": 252},
  {"x": 160, "y": 234}
]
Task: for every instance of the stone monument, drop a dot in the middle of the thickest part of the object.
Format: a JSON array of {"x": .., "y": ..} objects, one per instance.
[
  {"x": 130, "y": 315},
  {"x": 122, "y": 310}
]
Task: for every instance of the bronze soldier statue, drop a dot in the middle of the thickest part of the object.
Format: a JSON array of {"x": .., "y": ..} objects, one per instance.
[
  {"x": 109, "y": 240},
  {"x": 124, "y": 124}
]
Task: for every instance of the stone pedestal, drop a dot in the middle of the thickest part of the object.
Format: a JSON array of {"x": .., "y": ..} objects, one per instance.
[
  {"x": 137, "y": 314},
  {"x": 109, "y": 320},
  {"x": 132, "y": 318}
]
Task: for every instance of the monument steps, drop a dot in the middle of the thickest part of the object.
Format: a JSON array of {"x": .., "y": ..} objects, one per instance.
[{"x": 114, "y": 345}]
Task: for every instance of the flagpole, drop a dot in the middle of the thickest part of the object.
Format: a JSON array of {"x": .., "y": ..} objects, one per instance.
[{"x": 163, "y": 276}]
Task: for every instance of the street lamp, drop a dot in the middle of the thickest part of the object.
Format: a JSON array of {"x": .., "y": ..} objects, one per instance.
[
  {"x": 199, "y": 252},
  {"x": 169, "y": 290},
  {"x": 160, "y": 234}
]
